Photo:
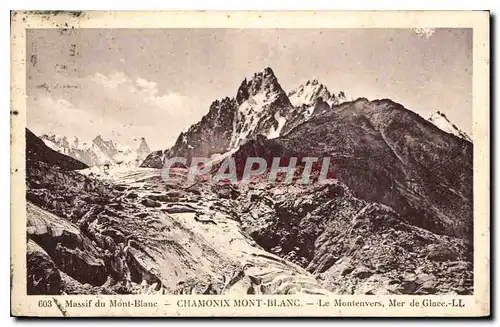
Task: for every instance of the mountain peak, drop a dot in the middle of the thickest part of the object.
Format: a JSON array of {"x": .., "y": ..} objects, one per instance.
[
  {"x": 98, "y": 139},
  {"x": 262, "y": 83},
  {"x": 309, "y": 93},
  {"x": 143, "y": 146},
  {"x": 440, "y": 120},
  {"x": 268, "y": 71}
]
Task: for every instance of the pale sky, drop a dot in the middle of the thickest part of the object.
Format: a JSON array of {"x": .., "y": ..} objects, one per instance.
[{"x": 126, "y": 83}]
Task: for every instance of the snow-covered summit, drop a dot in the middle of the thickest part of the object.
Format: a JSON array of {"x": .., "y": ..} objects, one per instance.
[
  {"x": 442, "y": 122},
  {"x": 98, "y": 151},
  {"x": 260, "y": 107},
  {"x": 312, "y": 98},
  {"x": 308, "y": 93},
  {"x": 263, "y": 107}
]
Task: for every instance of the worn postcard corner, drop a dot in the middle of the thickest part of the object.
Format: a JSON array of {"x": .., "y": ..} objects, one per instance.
[{"x": 316, "y": 164}]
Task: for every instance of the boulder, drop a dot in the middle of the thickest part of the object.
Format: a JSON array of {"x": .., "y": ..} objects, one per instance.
[
  {"x": 441, "y": 252},
  {"x": 150, "y": 203},
  {"x": 362, "y": 272},
  {"x": 180, "y": 209},
  {"x": 131, "y": 195}
]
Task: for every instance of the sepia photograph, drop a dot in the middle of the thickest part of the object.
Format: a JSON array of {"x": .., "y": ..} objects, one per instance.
[{"x": 308, "y": 161}]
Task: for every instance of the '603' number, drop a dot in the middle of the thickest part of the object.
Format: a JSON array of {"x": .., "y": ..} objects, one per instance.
[{"x": 45, "y": 303}]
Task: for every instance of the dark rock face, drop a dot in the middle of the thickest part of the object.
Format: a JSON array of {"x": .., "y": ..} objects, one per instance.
[
  {"x": 61, "y": 207},
  {"x": 266, "y": 83},
  {"x": 441, "y": 253},
  {"x": 263, "y": 107},
  {"x": 153, "y": 160},
  {"x": 36, "y": 150},
  {"x": 210, "y": 135},
  {"x": 150, "y": 203},
  {"x": 72, "y": 251},
  {"x": 226, "y": 191},
  {"x": 43, "y": 277}
]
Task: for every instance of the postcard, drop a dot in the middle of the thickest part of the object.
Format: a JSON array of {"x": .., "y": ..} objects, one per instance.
[{"x": 276, "y": 164}]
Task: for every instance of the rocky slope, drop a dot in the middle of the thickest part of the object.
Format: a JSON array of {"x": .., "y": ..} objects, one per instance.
[
  {"x": 353, "y": 246},
  {"x": 388, "y": 154},
  {"x": 99, "y": 152},
  {"x": 37, "y": 151}
]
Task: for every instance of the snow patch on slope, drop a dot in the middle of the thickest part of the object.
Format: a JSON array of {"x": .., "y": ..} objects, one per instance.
[
  {"x": 440, "y": 120},
  {"x": 281, "y": 122}
]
